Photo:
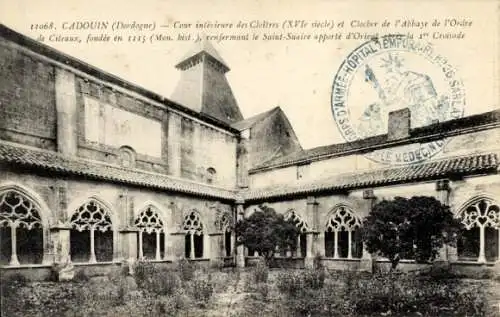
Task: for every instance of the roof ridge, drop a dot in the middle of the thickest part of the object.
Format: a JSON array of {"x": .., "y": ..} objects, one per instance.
[
  {"x": 490, "y": 117},
  {"x": 435, "y": 169}
]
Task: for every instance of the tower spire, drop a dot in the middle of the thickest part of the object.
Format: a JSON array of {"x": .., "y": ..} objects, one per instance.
[{"x": 203, "y": 85}]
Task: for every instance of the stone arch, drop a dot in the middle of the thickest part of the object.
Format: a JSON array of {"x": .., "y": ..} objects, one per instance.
[
  {"x": 93, "y": 237},
  {"x": 480, "y": 238},
  {"x": 299, "y": 221},
  {"x": 32, "y": 195},
  {"x": 126, "y": 156},
  {"x": 296, "y": 218},
  {"x": 24, "y": 225},
  {"x": 77, "y": 203},
  {"x": 164, "y": 213},
  {"x": 193, "y": 222},
  {"x": 152, "y": 223},
  {"x": 196, "y": 235},
  {"x": 342, "y": 216},
  {"x": 459, "y": 203},
  {"x": 342, "y": 233}
]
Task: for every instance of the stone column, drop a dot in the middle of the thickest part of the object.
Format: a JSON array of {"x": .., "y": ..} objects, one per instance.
[
  {"x": 216, "y": 255},
  {"x": 65, "y": 90},
  {"x": 240, "y": 249},
  {"x": 446, "y": 253},
  {"x": 366, "y": 263},
  {"x": 197, "y": 162},
  {"x": 243, "y": 159},
  {"x": 127, "y": 234},
  {"x": 158, "y": 253},
  {"x": 312, "y": 213},
  {"x": 174, "y": 144}
]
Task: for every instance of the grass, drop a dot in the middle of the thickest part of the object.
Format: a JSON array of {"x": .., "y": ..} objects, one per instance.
[{"x": 190, "y": 291}]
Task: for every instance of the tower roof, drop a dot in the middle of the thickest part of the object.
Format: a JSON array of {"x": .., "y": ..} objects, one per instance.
[
  {"x": 203, "y": 85},
  {"x": 202, "y": 47}
]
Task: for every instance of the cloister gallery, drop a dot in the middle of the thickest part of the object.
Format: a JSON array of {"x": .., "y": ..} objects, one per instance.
[{"x": 98, "y": 171}]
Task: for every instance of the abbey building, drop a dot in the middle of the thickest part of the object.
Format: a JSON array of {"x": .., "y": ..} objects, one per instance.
[{"x": 97, "y": 171}]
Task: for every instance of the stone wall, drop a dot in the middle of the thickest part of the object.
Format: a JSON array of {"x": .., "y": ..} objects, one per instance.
[
  {"x": 59, "y": 198},
  {"x": 27, "y": 99},
  {"x": 465, "y": 144}
]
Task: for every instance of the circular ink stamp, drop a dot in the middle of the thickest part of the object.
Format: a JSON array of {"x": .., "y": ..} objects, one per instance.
[{"x": 389, "y": 73}]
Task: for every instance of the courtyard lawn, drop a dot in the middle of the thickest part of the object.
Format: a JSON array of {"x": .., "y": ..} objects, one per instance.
[{"x": 187, "y": 291}]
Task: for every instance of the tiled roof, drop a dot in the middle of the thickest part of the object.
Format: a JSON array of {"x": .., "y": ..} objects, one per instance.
[
  {"x": 27, "y": 157},
  {"x": 46, "y": 160},
  {"x": 247, "y": 123},
  {"x": 437, "y": 130},
  {"x": 465, "y": 165},
  {"x": 200, "y": 47}
]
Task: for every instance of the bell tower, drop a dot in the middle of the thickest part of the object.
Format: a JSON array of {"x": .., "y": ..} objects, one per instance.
[{"x": 203, "y": 86}]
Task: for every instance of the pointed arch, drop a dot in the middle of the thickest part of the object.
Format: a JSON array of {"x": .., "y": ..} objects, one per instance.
[
  {"x": 151, "y": 238},
  {"x": 480, "y": 238},
  {"x": 192, "y": 223},
  {"x": 32, "y": 195},
  {"x": 193, "y": 226},
  {"x": 342, "y": 217},
  {"x": 342, "y": 233},
  {"x": 23, "y": 225},
  {"x": 161, "y": 214},
  {"x": 300, "y": 223},
  {"x": 92, "y": 234},
  {"x": 294, "y": 216}
]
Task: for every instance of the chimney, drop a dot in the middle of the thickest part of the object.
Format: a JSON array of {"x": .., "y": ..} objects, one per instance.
[{"x": 399, "y": 124}]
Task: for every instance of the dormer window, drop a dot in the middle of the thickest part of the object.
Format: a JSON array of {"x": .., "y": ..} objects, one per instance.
[
  {"x": 211, "y": 173},
  {"x": 126, "y": 157}
]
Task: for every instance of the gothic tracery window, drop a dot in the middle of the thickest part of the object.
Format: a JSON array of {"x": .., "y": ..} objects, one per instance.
[
  {"x": 194, "y": 235},
  {"x": 480, "y": 239},
  {"x": 91, "y": 237},
  {"x": 300, "y": 250},
  {"x": 342, "y": 234},
  {"x": 21, "y": 230},
  {"x": 225, "y": 225},
  {"x": 151, "y": 237}
]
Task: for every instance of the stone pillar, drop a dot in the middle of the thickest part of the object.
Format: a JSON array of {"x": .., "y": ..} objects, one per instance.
[
  {"x": 312, "y": 213},
  {"x": 65, "y": 90},
  {"x": 60, "y": 235},
  {"x": 446, "y": 253},
  {"x": 366, "y": 263},
  {"x": 127, "y": 244},
  {"x": 197, "y": 162},
  {"x": 174, "y": 144},
  {"x": 207, "y": 250},
  {"x": 240, "y": 249},
  {"x": 124, "y": 228},
  {"x": 243, "y": 159},
  {"x": 216, "y": 254},
  {"x": 129, "y": 247}
]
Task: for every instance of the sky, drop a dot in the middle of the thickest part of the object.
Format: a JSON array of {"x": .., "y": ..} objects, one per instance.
[{"x": 296, "y": 75}]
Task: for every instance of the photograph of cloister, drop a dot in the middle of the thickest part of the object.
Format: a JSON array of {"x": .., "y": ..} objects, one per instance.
[{"x": 116, "y": 201}]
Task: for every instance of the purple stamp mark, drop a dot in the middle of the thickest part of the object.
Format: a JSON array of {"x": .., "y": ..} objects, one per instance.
[{"x": 389, "y": 73}]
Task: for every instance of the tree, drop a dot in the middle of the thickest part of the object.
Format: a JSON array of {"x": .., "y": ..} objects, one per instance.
[
  {"x": 265, "y": 230},
  {"x": 414, "y": 228}
]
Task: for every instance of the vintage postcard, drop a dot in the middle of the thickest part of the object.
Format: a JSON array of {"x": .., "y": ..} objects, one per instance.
[{"x": 223, "y": 158}]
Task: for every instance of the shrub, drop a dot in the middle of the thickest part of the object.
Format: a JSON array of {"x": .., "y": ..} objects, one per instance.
[
  {"x": 80, "y": 276},
  {"x": 159, "y": 281},
  {"x": 263, "y": 289},
  {"x": 289, "y": 283},
  {"x": 260, "y": 273},
  {"x": 294, "y": 283},
  {"x": 165, "y": 282},
  {"x": 186, "y": 269},
  {"x": 202, "y": 290},
  {"x": 314, "y": 279}
]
